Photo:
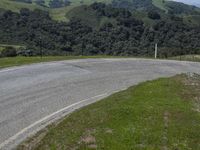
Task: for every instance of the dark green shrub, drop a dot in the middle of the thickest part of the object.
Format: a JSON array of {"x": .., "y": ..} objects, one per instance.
[
  {"x": 153, "y": 15},
  {"x": 9, "y": 52}
]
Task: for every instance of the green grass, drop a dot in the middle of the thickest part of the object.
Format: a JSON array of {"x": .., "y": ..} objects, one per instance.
[
  {"x": 160, "y": 4},
  {"x": 144, "y": 17},
  {"x": 61, "y": 14},
  {"x": 154, "y": 115},
  {"x": 20, "y": 60},
  {"x": 11, "y": 45},
  {"x": 16, "y": 6},
  {"x": 195, "y": 58},
  {"x": 3, "y": 46},
  {"x": 193, "y": 20},
  {"x": 17, "y": 61},
  {"x": 86, "y": 14}
]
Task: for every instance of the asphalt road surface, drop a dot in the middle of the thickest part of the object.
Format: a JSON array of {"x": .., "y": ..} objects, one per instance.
[{"x": 35, "y": 95}]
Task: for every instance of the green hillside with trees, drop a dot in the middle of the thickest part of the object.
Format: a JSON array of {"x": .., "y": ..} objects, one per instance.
[
  {"x": 56, "y": 8},
  {"x": 59, "y": 9},
  {"x": 118, "y": 27}
]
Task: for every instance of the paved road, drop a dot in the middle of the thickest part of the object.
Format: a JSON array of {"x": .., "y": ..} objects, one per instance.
[{"x": 34, "y": 95}]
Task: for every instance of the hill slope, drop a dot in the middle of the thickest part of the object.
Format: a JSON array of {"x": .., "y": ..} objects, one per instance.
[
  {"x": 190, "y": 2},
  {"x": 122, "y": 27},
  {"x": 57, "y": 13},
  {"x": 60, "y": 8}
]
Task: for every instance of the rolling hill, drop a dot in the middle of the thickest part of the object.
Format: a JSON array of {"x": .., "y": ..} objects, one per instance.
[
  {"x": 58, "y": 13},
  {"x": 63, "y": 11},
  {"x": 111, "y": 27}
]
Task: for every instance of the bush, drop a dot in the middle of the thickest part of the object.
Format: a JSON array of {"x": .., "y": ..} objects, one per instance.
[
  {"x": 153, "y": 15},
  {"x": 9, "y": 52}
]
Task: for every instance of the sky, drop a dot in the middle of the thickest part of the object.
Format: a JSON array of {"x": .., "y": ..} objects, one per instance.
[{"x": 191, "y": 2}]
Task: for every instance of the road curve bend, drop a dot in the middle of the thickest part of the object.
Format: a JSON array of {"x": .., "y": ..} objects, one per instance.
[{"x": 33, "y": 96}]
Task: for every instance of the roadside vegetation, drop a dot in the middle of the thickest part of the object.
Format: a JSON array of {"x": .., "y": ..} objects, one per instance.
[
  {"x": 194, "y": 58},
  {"x": 159, "y": 114},
  {"x": 17, "y": 61},
  {"x": 21, "y": 60}
]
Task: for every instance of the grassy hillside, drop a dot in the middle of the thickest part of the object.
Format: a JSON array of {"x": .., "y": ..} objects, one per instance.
[
  {"x": 160, "y": 4},
  {"x": 61, "y": 14},
  {"x": 86, "y": 14},
  {"x": 89, "y": 16},
  {"x": 65, "y": 13},
  {"x": 3, "y": 46},
  {"x": 56, "y": 13},
  {"x": 192, "y": 19},
  {"x": 16, "y": 6}
]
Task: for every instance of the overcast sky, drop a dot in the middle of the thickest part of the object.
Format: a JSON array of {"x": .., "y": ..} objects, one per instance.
[{"x": 191, "y": 2}]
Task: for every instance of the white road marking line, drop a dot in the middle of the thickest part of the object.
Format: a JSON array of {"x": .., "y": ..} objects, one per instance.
[
  {"x": 14, "y": 68},
  {"x": 9, "y": 140},
  {"x": 6, "y": 70}
]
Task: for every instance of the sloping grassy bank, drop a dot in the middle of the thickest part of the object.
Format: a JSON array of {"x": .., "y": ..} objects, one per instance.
[
  {"x": 160, "y": 114},
  {"x": 18, "y": 61}
]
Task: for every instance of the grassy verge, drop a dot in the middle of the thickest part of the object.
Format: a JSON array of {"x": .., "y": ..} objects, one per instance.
[
  {"x": 195, "y": 58},
  {"x": 160, "y": 114},
  {"x": 17, "y": 61}
]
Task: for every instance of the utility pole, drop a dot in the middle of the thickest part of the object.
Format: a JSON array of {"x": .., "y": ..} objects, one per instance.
[
  {"x": 156, "y": 50},
  {"x": 82, "y": 51},
  {"x": 82, "y": 46},
  {"x": 41, "y": 52}
]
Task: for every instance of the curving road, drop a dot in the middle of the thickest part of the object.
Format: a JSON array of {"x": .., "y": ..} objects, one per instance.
[{"x": 35, "y": 95}]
